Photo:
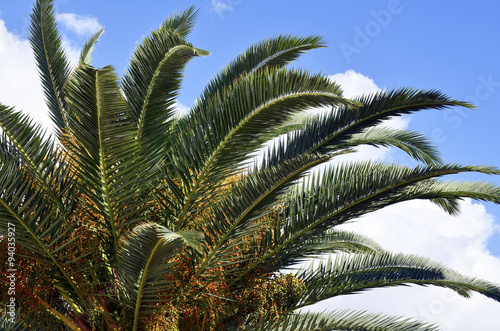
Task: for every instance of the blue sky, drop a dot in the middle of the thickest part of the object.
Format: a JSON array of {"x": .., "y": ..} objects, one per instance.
[{"x": 447, "y": 45}]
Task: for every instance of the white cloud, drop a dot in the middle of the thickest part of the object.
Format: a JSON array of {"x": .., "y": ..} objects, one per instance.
[
  {"x": 354, "y": 84},
  {"x": 220, "y": 7},
  {"x": 459, "y": 242},
  {"x": 19, "y": 80},
  {"x": 81, "y": 25}
]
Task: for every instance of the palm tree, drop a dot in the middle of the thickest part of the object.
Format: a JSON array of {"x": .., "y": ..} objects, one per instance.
[{"x": 132, "y": 217}]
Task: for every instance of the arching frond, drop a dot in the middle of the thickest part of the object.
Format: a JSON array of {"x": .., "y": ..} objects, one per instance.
[
  {"x": 347, "y": 191},
  {"x": 255, "y": 196},
  {"x": 182, "y": 22},
  {"x": 270, "y": 53},
  {"x": 152, "y": 81},
  {"x": 105, "y": 149},
  {"x": 342, "y": 320},
  {"x": 346, "y": 274},
  {"x": 331, "y": 241},
  {"x": 413, "y": 143},
  {"x": 212, "y": 144},
  {"x": 326, "y": 132},
  {"x": 144, "y": 257}
]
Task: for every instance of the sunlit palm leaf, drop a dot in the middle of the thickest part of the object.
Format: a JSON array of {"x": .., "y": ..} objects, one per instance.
[
  {"x": 412, "y": 143},
  {"x": 214, "y": 143},
  {"x": 86, "y": 53},
  {"x": 348, "y": 191},
  {"x": 270, "y": 53}
]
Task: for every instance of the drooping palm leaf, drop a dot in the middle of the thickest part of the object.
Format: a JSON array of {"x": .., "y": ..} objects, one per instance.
[
  {"x": 152, "y": 82},
  {"x": 347, "y": 191},
  {"x": 328, "y": 132},
  {"x": 144, "y": 257},
  {"x": 343, "y": 320},
  {"x": 347, "y": 273},
  {"x": 413, "y": 143}
]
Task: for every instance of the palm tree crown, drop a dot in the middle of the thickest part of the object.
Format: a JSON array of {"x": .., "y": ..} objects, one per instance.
[{"x": 132, "y": 217}]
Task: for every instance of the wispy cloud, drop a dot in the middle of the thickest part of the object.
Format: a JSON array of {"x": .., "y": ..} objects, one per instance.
[
  {"x": 81, "y": 25},
  {"x": 220, "y": 7}
]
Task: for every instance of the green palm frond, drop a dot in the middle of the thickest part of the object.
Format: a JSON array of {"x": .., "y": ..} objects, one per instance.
[
  {"x": 324, "y": 133},
  {"x": 88, "y": 48},
  {"x": 144, "y": 257},
  {"x": 214, "y": 143},
  {"x": 347, "y": 191},
  {"x": 343, "y": 320},
  {"x": 270, "y": 53},
  {"x": 331, "y": 241},
  {"x": 39, "y": 225},
  {"x": 413, "y": 143},
  {"x": 51, "y": 59},
  {"x": 252, "y": 198},
  {"x": 347, "y": 273},
  {"x": 105, "y": 149},
  {"x": 27, "y": 142},
  {"x": 8, "y": 150},
  {"x": 183, "y": 22},
  {"x": 448, "y": 194},
  {"x": 153, "y": 79}
]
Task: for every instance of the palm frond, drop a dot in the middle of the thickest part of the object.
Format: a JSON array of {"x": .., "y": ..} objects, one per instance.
[
  {"x": 413, "y": 143},
  {"x": 347, "y": 273},
  {"x": 214, "y": 143},
  {"x": 88, "y": 48},
  {"x": 342, "y": 320},
  {"x": 324, "y": 133},
  {"x": 331, "y": 241},
  {"x": 347, "y": 191},
  {"x": 152, "y": 81},
  {"x": 448, "y": 194},
  {"x": 27, "y": 141},
  {"x": 39, "y": 225},
  {"x": 270, "y": 53},
  {"x": 51, "y": 59},
  {"x": 182, "y": 22},
  {"x": 144, "y": 257},
  {"x": 252, "y": 198},
  {"x": 104, "y": 148}
]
